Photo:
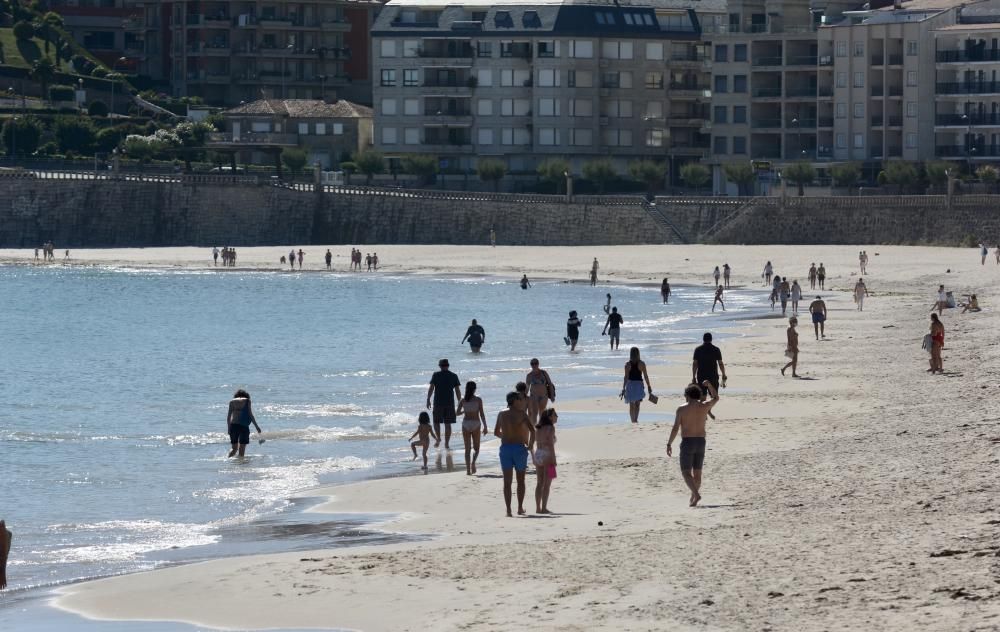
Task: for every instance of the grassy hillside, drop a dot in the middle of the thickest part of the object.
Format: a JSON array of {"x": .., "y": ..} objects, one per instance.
[{"x": 22, "y": 54}]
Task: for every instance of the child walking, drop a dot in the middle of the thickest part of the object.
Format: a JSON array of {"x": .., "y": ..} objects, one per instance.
[{"x": 426, "y": 431}]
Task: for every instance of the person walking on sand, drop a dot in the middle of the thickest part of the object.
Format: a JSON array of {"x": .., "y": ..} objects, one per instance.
[
  {"x": 525, "y": 283},
  {"x": 942, "y": 301},
  {"x": 708, "y": 363},
  {"x": 474, "y": 414},
  {"x": 517, "y": 439},
  {"x": 718, "y": 299},
  {"x": 812, "y": 277},
  {"x": 368, "y": 261},
  {"x": 937, "y": 344},
  {"x": 792, "y": 346},
  {"x": 860, "y": 292},
  {"x": 238, "y": 421},
  {"x": 997, "y": 253},
  {"x": 821, "y": 276},
  {"x": 540, "y": 390},
  {"x": 446, "y": 388},
  {"x": 6, "y": 539},
  {"x": 716, "y": 274},
  {"x": 726, "y": 272},
  {"x": 796, "y": 296},
  {"x": 593, "y": 272},
  {"x": 613, "y": 328},
  {"x": 329, "y": 259},
  {"x": 784, "y": 292},
  {"x": 476, "y": 336},
  {"x": 818, "y": 310},
  {"x": 215, "y": 255},
  {"x": 665, "y": 290},
  {"x": 690, "y": 421},
  {"x": 861, "y": 261},
  {"x": 632, "y": 392},
  {"x": 983, "y": 253},
  {"x": 291, "y": 258},
  {"x": 493, "y": 237},
  {"x": 768, "y": 272},
  {"x": 375, "y": 261},
  {"x": 301, "y": 256},
  {"x": 424, "y": 430},
  {"x": 545, "y": 458},
  {"x": 573, "y": 330}
]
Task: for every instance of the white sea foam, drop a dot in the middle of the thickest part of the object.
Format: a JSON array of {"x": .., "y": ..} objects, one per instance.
[{"x": 123, "y": 540}]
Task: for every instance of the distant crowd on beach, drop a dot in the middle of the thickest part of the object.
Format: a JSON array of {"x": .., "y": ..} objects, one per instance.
[{"x": 48, "y": 252}]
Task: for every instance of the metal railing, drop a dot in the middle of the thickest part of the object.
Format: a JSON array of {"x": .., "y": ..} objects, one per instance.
[
  {"x": 967, "y": 87},
  {"x": 964, "y": 56},
  {"x": 967, "y": 120}
]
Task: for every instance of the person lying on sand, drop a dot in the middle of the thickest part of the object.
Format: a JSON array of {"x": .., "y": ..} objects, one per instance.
[{"x": 690, "y": 421}]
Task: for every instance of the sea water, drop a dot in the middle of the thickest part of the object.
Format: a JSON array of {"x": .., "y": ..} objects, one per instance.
[{"x": 115, "y": 383}]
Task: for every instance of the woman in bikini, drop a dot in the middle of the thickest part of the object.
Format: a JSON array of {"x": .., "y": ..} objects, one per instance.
[
  {"x": 540, "y": 391},
  {"x": 635, "y": 373},
  {"x": 472, "y": 406},
  {"x": 937, "y": 343},
  {"x": 545, "y": 458}
]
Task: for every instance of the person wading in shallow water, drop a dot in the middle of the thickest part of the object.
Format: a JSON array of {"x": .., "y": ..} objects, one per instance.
[
  {"x": 238, "y": 420},
  {"x": 6, "y": 538},
  {"x": 690, "y": 421}
]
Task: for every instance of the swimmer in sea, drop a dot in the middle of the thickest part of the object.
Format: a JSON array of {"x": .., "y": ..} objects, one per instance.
[{"x": 525, "y": 284}]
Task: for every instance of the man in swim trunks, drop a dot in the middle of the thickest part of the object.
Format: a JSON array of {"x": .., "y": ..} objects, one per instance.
[
  {"x": 446, "y": 389},
  {"x": 812, "y": 276},
  {"x": 613, "y": 327},
  {"x": 821, "y": 276},
  {"x": 517, "y": 439},
  {"x": 690, "y": 421},
  {"x": 818, "y": 310}
]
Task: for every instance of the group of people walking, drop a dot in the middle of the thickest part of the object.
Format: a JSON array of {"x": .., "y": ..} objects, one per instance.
[
  {"x": 227, "y": 254},
  {"x": 48, "y": 251},
  {"x": 370, "y": 259}
]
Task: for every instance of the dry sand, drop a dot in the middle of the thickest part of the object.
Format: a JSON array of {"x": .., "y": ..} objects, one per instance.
[{"x": 862, "y": 497}]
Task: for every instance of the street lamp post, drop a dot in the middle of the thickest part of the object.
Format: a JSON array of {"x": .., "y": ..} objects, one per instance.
[{"x": 114, "y": 69}]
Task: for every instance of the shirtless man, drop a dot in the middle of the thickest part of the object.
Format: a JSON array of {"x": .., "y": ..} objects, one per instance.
[
  {"x": 812, "y": 277},
  {"x": 818, "y": 310},
  {"x": 690, "y": 420},
  {"x": 6, "y": 537},
  {"x": 593, "y": 272},
  {"x": 517, "y": 439}
]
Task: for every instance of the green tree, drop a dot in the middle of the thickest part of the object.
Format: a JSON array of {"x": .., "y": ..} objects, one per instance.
[
  {"x": 44, "y": 72},
  {"x": 423, "y": 166},
  {"x": 648, "y": 172},
  {"x": 108, "y": 138},
  {"x": 294, "y": 159},
  {"x": 22, "y": 132},
  {"x": 553, "y": 171},
  {"x": 23, "y": 31},
  {"x": 192, "y": 137},
  {"x": 97, "y": 108},
  {"x": 491, "y": 170},
  {"x": 800, "y": 174},
  {"x": 937, "y": 172},
  {"x": 900, "y": 173},
  {"x": 75, "y": 134},
  {"x": 988, "y": 175},
  {"x": 600, "y": 172},
  {"x": 695, "y": 175},
  {"x": 370, "y": 163},
  {"x": 845, "y": 175},
  {"x": 742, "y": 175}
]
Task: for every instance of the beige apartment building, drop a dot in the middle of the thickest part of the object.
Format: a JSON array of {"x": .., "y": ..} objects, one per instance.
[{"x": 522, "y": 82}]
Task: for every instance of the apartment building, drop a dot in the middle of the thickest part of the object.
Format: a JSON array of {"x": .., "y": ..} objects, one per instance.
[
  {"x": 522, "y": 82},
  {"x": 228, "y": 51}
]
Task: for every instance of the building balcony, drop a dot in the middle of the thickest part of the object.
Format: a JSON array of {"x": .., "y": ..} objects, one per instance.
[
  {"x": 797, "y": 93},
  {"x": 766, "y": 62},
  {"x": 968, "y": 87},
  {"x": 692, "y": 90},
  {"x": 802, "y": 60},
  {"x": 895, "y": 121},
  {"x": 766, "y": 123},
  {"x": 895, "y": 91},
  {"x": 440, "y": 52},
  {"x": 443, "y": 147},
  {"x": 878, "y": 60},
  {"x": 965, "y": 57},
  {"x": 877, "y": 121},
  {"x": 767, "y": 93},
  {"x": 797, "y": 124},
  {"x": 824, "y": 92},
  {"x": 335, "y": 25},
  {"x": 218, "y": 20},
  {"x": 895, "y": 60},
  {"x": 962, "y": 151},
  {"x": 825, "y": 122},
  {"x": 962, "y": 120},
  {"x": 194, "y": 19},
  {"x": 878, "y": 91}
]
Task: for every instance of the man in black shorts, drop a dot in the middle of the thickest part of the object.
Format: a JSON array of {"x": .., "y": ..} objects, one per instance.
[
  {"x": 690, "y": 421},
  {"x": 446, "y": 389}
]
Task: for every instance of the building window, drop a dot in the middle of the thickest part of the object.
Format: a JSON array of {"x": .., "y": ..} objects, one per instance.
[
  {"x": 389, "y": 107},
  {"x": 654, "y": 51},
  {"x": 721, "y": 83},
  {"x": 842, "y": 49},
  {"x": 719, "y": 145},
  {"x": 859, "y": 141},
  {"x": 911, "y": 78},
  {"x": 580, "y": 78},
  {"x": 841, "y": 110},
  {"x": 739, "y": 114},
  {"x": 911, "y": 48},
  {"x": 616, "y": 137},
  {"x": 581, "y": 49},
  {"x": 388, "y": 135},
  {"x": 739, "y": 83},
  {"x": 548, "y": 78},
  {"x": 617, "y": 80},
  {"x": 519, "y": 78},
  {"x": 719, "y": 114},
  {"x": 859, "y": 110},
  {"x": 548, "y": 107},
  {"x": 841, "y": 141},
  {"x": 388, "y": 78},
  {"x": 484, "y": 49},
  {"x": 388, "y": 48},
  {"x": 841, "y": 79},
  {"x": 739, "y": 144},
  {"x": 616, "y": 50},
  {"x": 411, "y": 77},
  {"x": 911, "y": 109},
  {"x": 859, "y": 80},
  {"x": 859, "y": 49},
  {"x": 548, "y": 136},
  {"x": 739, "y": 52},
  {"x": 484, "y": 107},
  {"x": 911, "y": 141},
  {"x": 485, "y": 137},
  {"x": 548, "y": 48},
  {"x": 304, "y": 127},
  {"x": 581, "y": 107},
  {"x": 654, "y": 109},
  {"x": 581, "y": 137},
  {"x": 484, "y": 78},
  {"x": 618, "y": 108},
  {"x": 721, "y": 52},
  {"x": 338, "y": 129},
  {"x": 654, "y": 137},
  {"x": 411, "y": 48},
  {"x": 411, "y": 136},
  {"x": 654, "y": 80}
]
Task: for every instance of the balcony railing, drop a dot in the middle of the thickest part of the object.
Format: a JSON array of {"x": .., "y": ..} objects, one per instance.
[
  {"x": 802, "y": 60},
  {"x": 690, "y": 86},
  {"x": 825, "y": 91},
  {"x": 798, "y": 124},
  {"x": 963, "y": 56},
  {"x": 801, "y": 92},
  {"x": 968, "y": 87},
  {"x": 767, "y": 61},
  {"x": 967, "y": 121},
  {"x": 878, "y": 91},
  {"x": 432, "y": 111},
  {"x": 253, "y": 138},
  {"x": 697, "y": 57},
  {"x": 878, "y": 60},
  {"x": 895, "y": 60},
  {"x": 826, "y": 122},
  {"x": 446, "y": 53},
  {"x": 895, "y": 91},
  {"x": 877, "y": 121},
  {"x": 766, "y": 93},
  {"x": 962, "y": 151},
  {"x": 895, "y": 121},
  {"x": 766, "y": 123}
]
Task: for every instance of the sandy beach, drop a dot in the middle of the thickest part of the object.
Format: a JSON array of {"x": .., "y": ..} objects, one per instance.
[{"x": 861, "y": 496}]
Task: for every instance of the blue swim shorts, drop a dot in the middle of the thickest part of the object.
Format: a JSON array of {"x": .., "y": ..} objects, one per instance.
[{"x": 513, "y": 456}]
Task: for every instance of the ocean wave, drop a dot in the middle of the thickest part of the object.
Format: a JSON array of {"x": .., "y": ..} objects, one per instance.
[
  {"x": 356, "y": 374},
  {"x": 278, "y": 482},
  {"x": 317, "y": 410},
  {"x": 123, "y": 540}
]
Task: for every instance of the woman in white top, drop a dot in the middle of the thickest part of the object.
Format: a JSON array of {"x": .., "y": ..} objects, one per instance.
[
  {"x": 472, "y": 406},
  {"x": 860, "y": 292},
  {"x": 796, "y": 296}
]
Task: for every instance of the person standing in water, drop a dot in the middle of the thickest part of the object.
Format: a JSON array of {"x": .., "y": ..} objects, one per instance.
[
  {"x": 476, "y": 336},
  {"x": 792, "y": 346},
  {"x": 718, "y": 299},
  {"x": 6, "y": 539},
  {"x": 545, "y": 458},
  {"x": 540, "y": 390},
  {"x": 446, "y": 388},
  {"x": 860, "y": 292},
  {"x": 471, "y": 407},
  {"x": 665, "y": 290},
  {"x": 607, "y": 305},
  {"x": 726, "y": 272},
  {"x": 613, "y": 327},
  {"x": 818, "y": 310},
  {"x": 690, "y": 421},
  {"x": 517, "y": 439},
  {"x": 632, "y": 392},
  {"x": 573, "y": 330},
  {"x": 238, "y": 421},
  {"x": 525, "y": 284}
]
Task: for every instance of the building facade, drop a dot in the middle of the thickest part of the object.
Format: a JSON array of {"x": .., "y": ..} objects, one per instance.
[{"x": 523, "y": 82}]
